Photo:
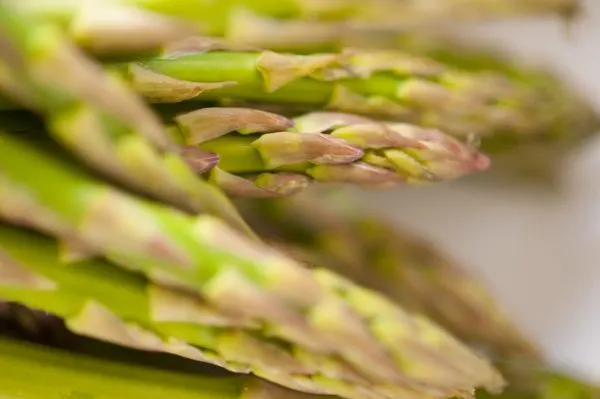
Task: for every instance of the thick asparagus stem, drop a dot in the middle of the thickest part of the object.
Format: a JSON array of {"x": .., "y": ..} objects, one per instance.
[
  {"x": 324, "y": 146},
  {"x": 387, "y": 84},
  {"x": 222, "y": 18},
  {"x": 33, "y": 372},
  {"x": 315, "y": 310},
  {"x": 102, "y": 301},
  {"x": 325, "y": 230},
  {"x": 329, "y": 230},
  {"x": 96, "y": 117}
]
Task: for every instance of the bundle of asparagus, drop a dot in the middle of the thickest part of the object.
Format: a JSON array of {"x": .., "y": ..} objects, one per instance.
[{"x": 121, "y": 127}]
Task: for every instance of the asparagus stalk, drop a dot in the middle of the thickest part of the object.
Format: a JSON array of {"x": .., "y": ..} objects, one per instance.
[
  {"x": 315, "y": 310},
  {"x": 99, "y": 300},
  {"x": 324, "y": 230},
  {"x": 98, "y": 118},
  {"x": 536, "y": 158},
  {"x": 324, "y": 146},
  {"x": 32, "y": 371},
  {"x": 387, "y": 84},
  {"x": 225, "y": 18},
  {"x": 107, "y": 27},
  {"x": 572, "y": 119}
]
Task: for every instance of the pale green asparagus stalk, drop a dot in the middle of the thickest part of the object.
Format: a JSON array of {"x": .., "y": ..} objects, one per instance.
[
  {"x": 259, "y": 22},
  {"x": 539, "y": 158},
  {"x": 325, "y": 230},
  {"x": 96, "y": 117},
  {"x": 99, "y": 300},
  {"x": 388, "y": 84},
  {"x": 333, "y": 230},
  {"x": 282, "y": 156},
  {"x": 32, "y": 371},
  {"x": 315, "y": 310}
]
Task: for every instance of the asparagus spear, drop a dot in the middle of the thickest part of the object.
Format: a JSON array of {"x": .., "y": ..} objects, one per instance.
[
  {"x": 107, "y": 27},
  {"x": 538, "y": 158},
  {"x": 324, "y": 230},
  {"x": 102, "y": 301},
  {"x": 32, "y": 371},
  {"x": 99, "y": 119},
  {"x": 223, "y": 18},
  {"x": 325, "y": 146},
  {"x": 388, "y": 84},
  {"x": 571, "y": 120},
  {"x": 316, "y": 310},
  {"x": 328, "y": 230}
]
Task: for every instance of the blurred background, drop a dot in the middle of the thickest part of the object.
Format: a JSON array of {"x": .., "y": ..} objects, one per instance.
[{"x": 537, "y": 248}]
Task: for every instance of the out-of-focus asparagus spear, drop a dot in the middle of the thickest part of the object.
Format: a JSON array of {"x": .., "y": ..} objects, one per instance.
[
  {"x": 102, "y": 301},
  {"x": 316, "y": 310},
  {"x": 32, "y": 371},
  {"x": 387, "y": 84},
  {"x": 324, "y": 146},
  {"x": 335, "y": 232},
  {"x": 107, "y": 27},
  {"x": 227, "y": 18},
  {"x": 325, "y": 230},
  {"x": 98, "y": 118}
]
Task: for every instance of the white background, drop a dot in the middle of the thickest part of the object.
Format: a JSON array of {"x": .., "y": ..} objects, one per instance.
[{"x": 538, "y": 252}]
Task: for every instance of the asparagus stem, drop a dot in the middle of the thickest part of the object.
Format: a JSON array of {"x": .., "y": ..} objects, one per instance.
[
  {"x": 328, "y": 146},
  {"x": 32, "y": 372},
  {"x": 98, "y": 119},
  {"x": 315, "y": 310},
  {"x": 99, "y": 300},
  {"x": 386, "y": 84},
  {"x": 219, "y": 18},
  {"x": 328, "y": 230}
]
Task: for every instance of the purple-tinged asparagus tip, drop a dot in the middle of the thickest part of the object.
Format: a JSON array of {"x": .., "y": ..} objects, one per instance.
[
  {"x": 198, "y": 160},
  {"x": 443, "y": 157},
  {"x": 209, "y": 123}
]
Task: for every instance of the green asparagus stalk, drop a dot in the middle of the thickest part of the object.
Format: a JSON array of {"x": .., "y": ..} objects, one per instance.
[
  {"x": 99, "y": 300},
  {"x": 96, "y": 117},
  {"x": 107, "y": 27},
  {"x": 387, "y": 84},
  {"x": 539, "y": 158},
  {"x": 333, "y": 231},
  {"x": 229, "y": 18},
  {"x": 316, "y": 310},
  {"x": 32, "y": 371},
  {"x": 325, "y": 230},
  {"x": 533, "y": 158},
  {"x": 324, "y": 146}
]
